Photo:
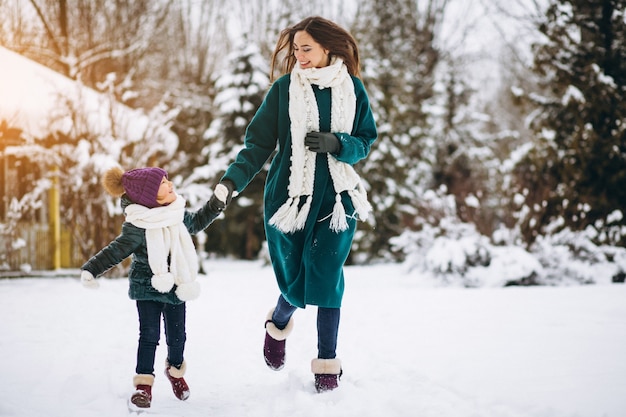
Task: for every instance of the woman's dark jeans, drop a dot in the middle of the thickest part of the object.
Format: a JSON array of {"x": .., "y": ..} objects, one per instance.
[
  {"x": 150, "y": 331},
  {"x": 327, "y": 326}
]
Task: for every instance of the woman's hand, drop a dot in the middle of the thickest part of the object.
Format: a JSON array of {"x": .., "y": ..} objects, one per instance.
[{"x": 322, "y": 142}]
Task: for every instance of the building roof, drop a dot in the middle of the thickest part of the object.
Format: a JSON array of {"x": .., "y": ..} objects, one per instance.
[{"x": 32, "y": 97}]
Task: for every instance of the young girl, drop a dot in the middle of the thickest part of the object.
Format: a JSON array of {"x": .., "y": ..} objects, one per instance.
[
  {"x": 319, "y": 115},
  {"x": 163, "y": 270}
]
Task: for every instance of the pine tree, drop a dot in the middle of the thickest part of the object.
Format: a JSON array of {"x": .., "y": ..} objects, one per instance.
[
  {"x": 240, "y": 92},
  {"x": 465, "y": 159},
  {"x": 399, "y": 59},
  {"x": 575, "y": 175}
]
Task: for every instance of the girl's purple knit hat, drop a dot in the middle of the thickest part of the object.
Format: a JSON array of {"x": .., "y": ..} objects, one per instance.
[{"x": 142, "y": 185}]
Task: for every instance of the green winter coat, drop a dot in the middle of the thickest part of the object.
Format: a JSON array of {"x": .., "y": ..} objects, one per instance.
[
  {"x": 308, "y": 264},
  {"x": 132, "y": 241}
]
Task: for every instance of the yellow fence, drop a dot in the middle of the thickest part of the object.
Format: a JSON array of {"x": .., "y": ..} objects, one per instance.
[{"x": 34, "y": 250}]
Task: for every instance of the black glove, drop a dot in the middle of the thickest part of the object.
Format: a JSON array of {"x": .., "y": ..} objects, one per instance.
[
  {"x": 222, "y": 195},
  {"x": 322, "y": 142}
]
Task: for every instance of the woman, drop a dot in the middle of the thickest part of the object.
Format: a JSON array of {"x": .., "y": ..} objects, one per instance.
[{"x": 319, "y": 114}]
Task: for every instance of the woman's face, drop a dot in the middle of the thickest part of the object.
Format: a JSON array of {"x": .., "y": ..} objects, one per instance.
[
  {"x": 309, "y": 53},
  {"x": 166, "y": 194}
]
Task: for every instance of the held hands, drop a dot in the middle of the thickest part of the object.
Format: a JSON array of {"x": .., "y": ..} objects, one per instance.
[
  {"x": 88, "y": 280},
  {"x": 322, "y": 142},
  {"x": 222, "y": 195}
]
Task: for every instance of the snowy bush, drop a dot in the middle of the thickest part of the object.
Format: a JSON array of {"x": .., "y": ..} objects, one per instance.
[
  {"x": 509, "y": 265},
  {"x": 451, "y": 257},
  {"x": 456, "y": 254},
  {"x": 569, "y": 256}
]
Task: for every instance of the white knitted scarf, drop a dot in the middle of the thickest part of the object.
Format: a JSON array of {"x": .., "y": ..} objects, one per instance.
[
  {"x": 166, "y": 235},
  {"x": 304, "y": 115}
]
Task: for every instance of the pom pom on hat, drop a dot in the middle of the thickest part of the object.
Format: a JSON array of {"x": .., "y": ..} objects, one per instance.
[
  {"x": 142, "y": 185},
  {"x": 112, "y": 181}
]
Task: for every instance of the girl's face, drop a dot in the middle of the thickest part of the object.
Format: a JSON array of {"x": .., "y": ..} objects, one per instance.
[
  {"x": 166, "y": 193},
  {"x": 309, "y": 53}
]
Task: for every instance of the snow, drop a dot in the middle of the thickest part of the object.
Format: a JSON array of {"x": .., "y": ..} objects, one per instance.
[{"x": 408, "y": 348}]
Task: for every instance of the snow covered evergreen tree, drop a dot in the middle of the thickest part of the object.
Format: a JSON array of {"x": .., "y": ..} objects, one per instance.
[
  {"x": 194, "y": 44},
  {"x": 240, "y": 91},
  {"x": 574, "y": 175},
  {"x": 398, "y": 59}
]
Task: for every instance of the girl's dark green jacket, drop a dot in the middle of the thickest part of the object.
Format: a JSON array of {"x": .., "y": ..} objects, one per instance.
[{"x": 132, "y": 241}]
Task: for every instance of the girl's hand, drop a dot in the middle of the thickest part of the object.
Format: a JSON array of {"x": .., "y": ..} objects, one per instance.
[
  {"x": 222, "y": 195},
  {"x": 88, "y": 280}
]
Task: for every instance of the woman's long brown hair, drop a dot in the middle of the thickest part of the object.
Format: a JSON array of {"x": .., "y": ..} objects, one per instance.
[{"x": 338, "y": 41}]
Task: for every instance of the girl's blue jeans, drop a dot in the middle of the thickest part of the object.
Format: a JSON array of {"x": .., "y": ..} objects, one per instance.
[
  {"x": 150, "y": 313},
  {"x": 327, "y": 326}
]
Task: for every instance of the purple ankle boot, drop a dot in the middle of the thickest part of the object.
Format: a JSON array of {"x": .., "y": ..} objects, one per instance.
[
  {"x": 275, "y": 342},
  {"x": 327, "y": 374}
]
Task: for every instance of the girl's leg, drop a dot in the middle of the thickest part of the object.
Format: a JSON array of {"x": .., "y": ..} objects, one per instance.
[
  {"x": 327, "y": 331},
  {"x": 282, "y": 313},
  {"x": 149, "y": 334},
  {"x": 174, "y": 319}
]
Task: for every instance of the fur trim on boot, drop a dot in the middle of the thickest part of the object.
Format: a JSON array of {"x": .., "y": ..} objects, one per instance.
[
  {"x": 274, "y": 331},
  {"x": 174, "y": 371},
  {"x": 275, "y": 342},
  {"x": 326, "y": 366},
  {"x": 143, "y": 379},
  {"x": 175, "y": 376},
  {"x": 327, "y": 373}
]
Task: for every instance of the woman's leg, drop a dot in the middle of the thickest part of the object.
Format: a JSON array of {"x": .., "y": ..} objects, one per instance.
[
  {"x": 278, "y": 326},
  {"x": 327, "y": 331},
  {"x": 282, "y": 313},
  {"x": 326, "y": 367}
]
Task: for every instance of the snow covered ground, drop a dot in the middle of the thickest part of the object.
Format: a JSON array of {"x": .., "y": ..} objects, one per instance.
[{"x": 408, "y": 349}]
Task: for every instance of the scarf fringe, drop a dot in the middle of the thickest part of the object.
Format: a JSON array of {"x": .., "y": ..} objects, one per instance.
[
  {"x": 338, "y": 222},
  {"x": 360, "y": 202},
  {"x": 289, "y": 218},
  {"x": 284, "y": 219},
  {"x": 303, "y": 214}
]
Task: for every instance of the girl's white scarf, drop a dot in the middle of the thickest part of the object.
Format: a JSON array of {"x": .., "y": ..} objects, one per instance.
[
  {"x": 167, "y": 236},
  {"x": 304, "y": 116}
]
